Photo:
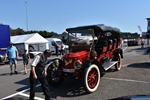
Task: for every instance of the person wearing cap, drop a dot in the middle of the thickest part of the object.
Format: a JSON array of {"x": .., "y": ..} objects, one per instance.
[
  {"x": 38, "y": 73},
  {"x": 12, "y": 54}
]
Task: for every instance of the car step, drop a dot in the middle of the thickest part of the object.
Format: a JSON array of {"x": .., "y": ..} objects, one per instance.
[{"x": 106, "y": 65}]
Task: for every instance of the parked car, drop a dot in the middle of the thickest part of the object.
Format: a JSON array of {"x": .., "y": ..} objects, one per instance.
[
  {"x": 52, "y": 42},
  {"x": 132, "y": 42},
  {"x": 87, "y": 62},
  {"x": 2, "y": 57}
]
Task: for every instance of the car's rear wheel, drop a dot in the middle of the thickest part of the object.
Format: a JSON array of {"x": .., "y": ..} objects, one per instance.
[
  {"x": 91, "y": 78},
  {"x": 54, "y": 76},
  {"x": 118, "y": 64}
]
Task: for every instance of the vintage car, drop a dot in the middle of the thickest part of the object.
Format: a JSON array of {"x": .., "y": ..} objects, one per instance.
[
  {"x": 2, "y": 56},
  {"x": 87, "y": 61}
]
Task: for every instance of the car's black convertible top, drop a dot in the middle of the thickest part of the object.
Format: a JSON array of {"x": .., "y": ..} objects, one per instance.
[{"x": 99, "y": 28}]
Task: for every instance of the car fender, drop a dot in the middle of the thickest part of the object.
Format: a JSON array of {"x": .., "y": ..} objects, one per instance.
[
  {"x": 50, "y": 61},
  {"x": 86, "y": 64},
  {"x": 118, "y": 52},
  {"x": 34, "y": 53},
  {"x": 1, "y": 58}
]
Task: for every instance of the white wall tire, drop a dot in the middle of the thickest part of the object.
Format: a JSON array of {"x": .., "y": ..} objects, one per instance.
[
  {"x": 118, "y": 64},
  {"x": 91, "y": 78}
]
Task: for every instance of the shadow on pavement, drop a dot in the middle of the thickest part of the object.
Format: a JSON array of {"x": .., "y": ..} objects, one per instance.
[
  {"x": 23, "y": 82},
  {"x": 140, "y": 65},
  {"x": 8, "y": 74},
  {"x": 139, "y": 49},
  {"x": 69, "y": 88}
]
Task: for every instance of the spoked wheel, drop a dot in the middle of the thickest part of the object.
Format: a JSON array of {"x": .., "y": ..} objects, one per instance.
[
  {"x": 54, "y": 76},
  {"x": 118, "y": 64},
  {"x": 91, "y": 78}
]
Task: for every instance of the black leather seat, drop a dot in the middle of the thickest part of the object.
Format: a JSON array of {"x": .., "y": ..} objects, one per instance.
[
  {"x": 101, "y": 46},
  {"x": 110, "y": 44},
  {"x": 114, "y": 43},
  {"x": 118, "y": 42}
]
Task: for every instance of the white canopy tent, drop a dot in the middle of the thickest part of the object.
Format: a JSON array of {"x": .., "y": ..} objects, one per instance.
[{"x": 29, "y": 39}]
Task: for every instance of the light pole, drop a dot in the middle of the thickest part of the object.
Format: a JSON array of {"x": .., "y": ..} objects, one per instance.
[{"x": 26, "y": 16}]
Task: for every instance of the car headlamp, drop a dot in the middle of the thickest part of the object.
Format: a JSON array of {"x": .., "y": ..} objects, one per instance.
[{"x": 77, "y": 64}]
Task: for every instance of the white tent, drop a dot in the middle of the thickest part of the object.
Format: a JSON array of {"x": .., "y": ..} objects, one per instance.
[{"x": 26, "y": 40}]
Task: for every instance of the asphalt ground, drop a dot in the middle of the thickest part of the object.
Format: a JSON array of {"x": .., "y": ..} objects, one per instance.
[{"x": 132, "y": 79}]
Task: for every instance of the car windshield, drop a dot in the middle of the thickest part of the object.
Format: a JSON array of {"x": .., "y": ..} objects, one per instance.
[
  {"x": 83, "y": 36},
  {"x": 59, "y": 42},
  {"x": 82, "y": 33}
]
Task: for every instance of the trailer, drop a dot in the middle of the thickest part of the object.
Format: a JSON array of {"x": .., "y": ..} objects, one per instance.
[{"x": 4, "y": 40}]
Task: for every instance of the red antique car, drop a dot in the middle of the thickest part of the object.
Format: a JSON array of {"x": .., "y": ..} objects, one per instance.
[{"x": 87, "y": 59}]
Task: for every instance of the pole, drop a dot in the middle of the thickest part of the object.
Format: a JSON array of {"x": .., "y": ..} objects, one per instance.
[{"x": 26, "y": 16}]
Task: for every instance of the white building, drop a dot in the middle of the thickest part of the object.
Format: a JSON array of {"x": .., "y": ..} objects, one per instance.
[{"x": 148, "y": 25}]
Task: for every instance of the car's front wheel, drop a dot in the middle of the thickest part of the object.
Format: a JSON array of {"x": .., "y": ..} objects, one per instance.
[
  {"x": 91, "y": 78},
  {"x": 54, "y": 76}
]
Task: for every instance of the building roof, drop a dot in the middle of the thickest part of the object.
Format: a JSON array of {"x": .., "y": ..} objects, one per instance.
[
  {"x": 148, "y": 18},
  {"x": 28, "y": 38}
]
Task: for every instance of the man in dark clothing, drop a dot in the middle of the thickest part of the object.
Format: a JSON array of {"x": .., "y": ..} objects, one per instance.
[
  {"x": 38, "y": 73},
  {"x": 56, "y": 48},
  {"x": 142, "y": 44},
  {"x": 64, "y": 40}
]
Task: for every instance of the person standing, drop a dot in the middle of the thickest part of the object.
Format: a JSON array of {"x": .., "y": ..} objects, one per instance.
[
  {"x": 142, "y": 44},
  {"x": 62, "y": 50},
  {"x": 26, "y": 58},
  {"x": 56, "y": 48},
  {"x": 64, "y": 40},
  {"x": 38, "y": 73},
  {"x": 12, "y": 54}
]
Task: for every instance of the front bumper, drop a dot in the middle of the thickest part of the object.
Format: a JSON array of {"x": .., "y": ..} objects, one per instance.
[{"x": 69, "y": 70}]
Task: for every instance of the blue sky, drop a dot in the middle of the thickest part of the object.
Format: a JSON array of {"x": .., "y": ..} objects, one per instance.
[{"x": 57, "y": 15}]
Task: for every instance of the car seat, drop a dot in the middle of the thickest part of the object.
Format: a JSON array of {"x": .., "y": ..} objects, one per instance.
[
  {"x": 114, "y": 43},
  {"x": 110, "y": 44},
  {"x": 101, "y": 46}
]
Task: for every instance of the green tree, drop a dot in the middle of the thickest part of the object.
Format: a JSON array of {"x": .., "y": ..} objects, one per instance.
[
  {"x": 64, "y": 33},
  {"x": 129, "y": 35},
  {"x": 17, "y": 31}
]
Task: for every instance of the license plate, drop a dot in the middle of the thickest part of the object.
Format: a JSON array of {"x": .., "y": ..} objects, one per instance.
[{"x": 69, "y": 70}]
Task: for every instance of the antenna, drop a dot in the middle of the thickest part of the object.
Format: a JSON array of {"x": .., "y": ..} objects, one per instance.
[{"x": 140, "y": 30}]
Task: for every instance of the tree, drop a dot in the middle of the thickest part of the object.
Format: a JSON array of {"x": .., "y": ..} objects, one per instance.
[
  {"x": 64, "y": 33},
  {"x": 17, "y": 31},
  {"x": 128, "y": 35}
]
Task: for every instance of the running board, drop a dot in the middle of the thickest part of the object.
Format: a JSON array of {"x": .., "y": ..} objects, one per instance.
[{"x": 106, "y": 65}]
